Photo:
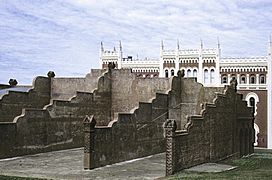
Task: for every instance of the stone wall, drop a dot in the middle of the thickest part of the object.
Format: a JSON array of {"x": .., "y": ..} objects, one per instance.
[
  {"x": 223, "y": 129},
  {"x": 7, "y": 139},
  {"x": 66, "y": 88},
  {"x": 57, "y": 125},
  {"x": 138, "y": 133},
  {"x": 131, "y": 136},
  {"x": 12, "y": 103},
  {"x": 128, "y": 90}
]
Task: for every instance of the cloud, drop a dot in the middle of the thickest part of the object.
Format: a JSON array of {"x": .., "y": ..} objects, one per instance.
[{"x": 64, "y": 36}]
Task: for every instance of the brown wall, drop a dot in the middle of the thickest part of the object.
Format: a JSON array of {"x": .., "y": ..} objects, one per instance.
[
  {"x": 11, "y": 104},
  {"x": 66, "y": 88},
  {"x": 261, "y": 118},
  {"x": 128, "y": 90},
  {"x": 140, "y": 133},
  {"x": 223, "y": 129}
]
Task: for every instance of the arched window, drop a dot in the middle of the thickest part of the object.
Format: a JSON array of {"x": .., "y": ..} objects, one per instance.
[
  {"x": 252, "y": 79},
  {"x": 166, "y": 73},
  {"x": 224, "y": 79},
  {"x": 189, "y": 73},
  {"x": 243, "y": 79},
  {"x": 262, "y": 79},
  {"x": 172, "y": 72},
  {"x": 195, "y": 73},
  {"x": 206, "y": 76},
  {"x": 252, "y": 104},
  {"x": 233, "y": 76},
  {"x": 212, "y": 76},
  {"x": 252, "y": 101}
]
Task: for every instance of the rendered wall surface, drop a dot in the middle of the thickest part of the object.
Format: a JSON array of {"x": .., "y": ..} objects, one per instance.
[
  {"x": 223, "y": 129},
  {"x": 128, "y": 90},
  {"x": 139, "y": 133},
  {"x": 11, "y": 104},
  {"x": 58, "y": 125},
  {"x": 66, "y": 88}
]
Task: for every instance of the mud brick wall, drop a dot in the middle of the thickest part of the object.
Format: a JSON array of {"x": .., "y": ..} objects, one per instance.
[
  {"x": 11, "y": 104},
  {"x": 128, "y": 90},
  {"x": 223, "y": 129},
  {"x": 57, "y": 125},
  {"x": 7, "y": 138},
  {"x": 66, "y": 88},
  {"x": 139, "y": 132},
  {"x": 130, "y": 136}
]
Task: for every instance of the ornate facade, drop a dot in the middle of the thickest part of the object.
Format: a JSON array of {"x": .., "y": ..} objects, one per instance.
[{"x": 210, "y": 69}]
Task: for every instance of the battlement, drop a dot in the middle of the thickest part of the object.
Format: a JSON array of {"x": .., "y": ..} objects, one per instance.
[
  {"x": 190, "y": 51},
  {"x": 256, "y": 59}
]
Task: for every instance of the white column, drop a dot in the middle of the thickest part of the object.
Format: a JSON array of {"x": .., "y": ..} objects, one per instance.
[
  {"x": 200, "y": 68},
  {"x": 257, "y": 79},
  {"x": 229, "y": 78},
  {"x": 238, "y": 78},
  {"x": 247, "y": 78},
  {"x": 217, "y": 79},
  {"x": 177, "y": 62},
  {"x": 161, "y": 74}
]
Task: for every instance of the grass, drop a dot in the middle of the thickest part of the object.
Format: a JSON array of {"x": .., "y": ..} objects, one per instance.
[{"x": 257, "y": 166}]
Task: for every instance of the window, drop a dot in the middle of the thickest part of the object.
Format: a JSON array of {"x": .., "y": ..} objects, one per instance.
[
  {"x": 243, "y": 79},
  {"x": 233, "y": 76},
  {"x": 212, "y": 76},
  {"x": 252, "y": 79},
  {"x": 206, "y": 76},
  {"x": 172, "y": 72},
  {"x": 188, "y": 73},
  {"x": 195, "y": 73},
  {"x": 252, "y": 104},
  {"x": 262, "y": 79},
  {"x": 224, "y": 79},
  {"x": 166, "y": 73}
]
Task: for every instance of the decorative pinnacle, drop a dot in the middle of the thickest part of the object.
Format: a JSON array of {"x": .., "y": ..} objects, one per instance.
[
  {"x": 178, "y": 43},
  {"x": 120, "y": 45},
  {"x": 162, "y": 46},
  {"x": 218, "y": 43},
  {"x": 201, "y": 44},
  {"x": 102, "y": 48}
]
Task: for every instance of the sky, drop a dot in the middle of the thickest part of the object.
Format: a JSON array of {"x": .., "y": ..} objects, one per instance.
[{"x": 37, "y": 36}]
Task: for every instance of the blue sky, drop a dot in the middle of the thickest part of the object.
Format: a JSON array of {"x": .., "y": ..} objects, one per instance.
[{"x": 64, "y": 36}]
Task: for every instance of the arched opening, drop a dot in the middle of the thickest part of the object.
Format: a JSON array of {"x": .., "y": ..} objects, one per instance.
[
  {"x": 189, "y": 73},
  {"x": 206, "y": 76},
  {"x": 243, "y": 79},
  {"x": 166, "y": 73},
  {"x": 224, "y": 79},
  {"x": 212, "y": 76},
  {"x": 262, "y": 79},
  {"x": 195, "y": 73},
  {"x": 252, "y": 79},
  {"x": 172, "y": 72},
  {"x": 252, "y": 104}
]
